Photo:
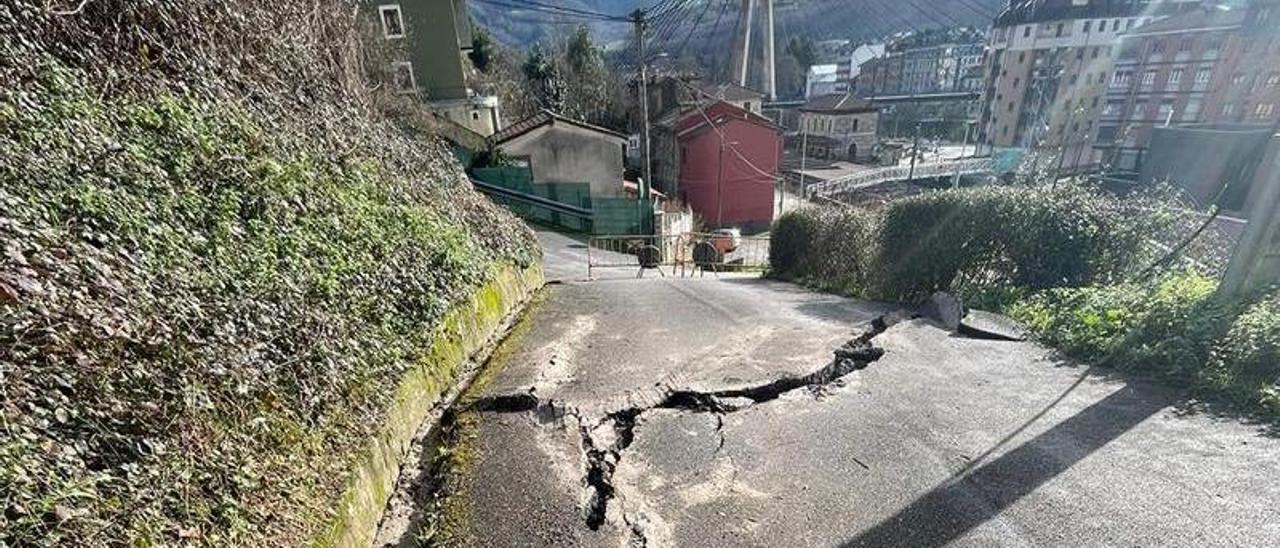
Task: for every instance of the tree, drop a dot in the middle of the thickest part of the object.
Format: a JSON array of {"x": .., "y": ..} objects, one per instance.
[
  {"x": 582, "y": 54},
  {"x": 802, "y": 50},
  {"x": 544, "y": 79},
  {"x": 482, "y": 49}
]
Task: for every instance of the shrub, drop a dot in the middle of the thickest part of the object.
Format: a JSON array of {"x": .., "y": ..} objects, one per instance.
[
  {"x": 1131, "y": 326},
  {"x": 987, "y": 237},
  {"x": 973, "y": 241},
  {"x": 790, "y": 242},
  {"x": 1245, "y": 363},
  {"x": 829, "y": 248},
  {"x": 1175, "y": 329}
]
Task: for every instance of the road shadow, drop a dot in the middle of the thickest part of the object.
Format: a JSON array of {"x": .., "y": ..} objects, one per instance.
[{"x": 979, "y": 494}]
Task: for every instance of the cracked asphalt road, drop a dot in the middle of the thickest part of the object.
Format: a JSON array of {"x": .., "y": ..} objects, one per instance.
[{"x": 942, "y": 440}]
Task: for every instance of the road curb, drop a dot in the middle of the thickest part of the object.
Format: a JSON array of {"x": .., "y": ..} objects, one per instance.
[{"x": 467, "y": 329}]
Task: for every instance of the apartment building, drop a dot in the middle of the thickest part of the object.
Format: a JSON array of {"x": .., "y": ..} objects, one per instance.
[
  {"x": 1049, "y": 66},
  {"x": 1246, "y": 83},
  {"x": 1214, "y": 66},
  {"x": 1161, "y": 77},
  {"x": 933, "y": 61}
]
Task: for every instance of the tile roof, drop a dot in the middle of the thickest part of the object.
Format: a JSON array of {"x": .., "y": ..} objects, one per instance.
[
  {"x": 732, "y": 92},
  {"x": 542, "y": 118}
]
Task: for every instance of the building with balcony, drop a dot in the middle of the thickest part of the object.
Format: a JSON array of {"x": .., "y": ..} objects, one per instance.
[
  {"x": 1048, "y": 69},
  {"x": 1160, "y": 77},
  {"x": 1211, "y": 67}
]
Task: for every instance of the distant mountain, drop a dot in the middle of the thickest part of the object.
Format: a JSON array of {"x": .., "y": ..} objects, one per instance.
[
  {"x": 816, "y": 19},
  {"x": 698, "y": 36}
]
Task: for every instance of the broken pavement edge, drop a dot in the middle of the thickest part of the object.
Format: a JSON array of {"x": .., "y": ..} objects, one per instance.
[{"x": 465, "y": 330}]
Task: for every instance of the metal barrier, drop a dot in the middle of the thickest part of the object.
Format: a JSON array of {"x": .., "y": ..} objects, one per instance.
[{"x": 691, "y": 252}]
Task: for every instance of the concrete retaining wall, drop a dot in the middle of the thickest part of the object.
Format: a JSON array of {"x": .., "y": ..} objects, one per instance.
[{"x": 465, "y": 330}]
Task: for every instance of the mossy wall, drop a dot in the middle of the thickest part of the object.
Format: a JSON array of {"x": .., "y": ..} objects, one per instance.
[{"x": 463, "y": 332}]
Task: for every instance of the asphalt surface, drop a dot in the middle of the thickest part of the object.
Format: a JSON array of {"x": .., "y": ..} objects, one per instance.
[{"x": 944, "y": 440}]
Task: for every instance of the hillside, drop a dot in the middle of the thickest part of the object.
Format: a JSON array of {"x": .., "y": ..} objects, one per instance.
[
  {"x": 219, "y": 254},
  {"x": 816, "y": 19}
]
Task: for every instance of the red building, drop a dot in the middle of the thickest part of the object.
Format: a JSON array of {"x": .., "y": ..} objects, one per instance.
[{"x": 729, "y": 180}]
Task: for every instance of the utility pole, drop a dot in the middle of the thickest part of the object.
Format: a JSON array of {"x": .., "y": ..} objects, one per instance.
[
  {"x": 720, "y": 188},
  {"x": 770, "y": 76},
  {"x": 1255, "y": 264},
  {"x": 637, "y": 17},
  {"x": 804, "y": 154},
  {"x": 955, "y": 181},
  {"x": 915, "y": 150}
]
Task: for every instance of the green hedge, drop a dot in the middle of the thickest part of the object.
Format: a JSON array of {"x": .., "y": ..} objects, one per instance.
[
  {"x": 1059, "y": 260},
  {"x": 970, "y": 240}
]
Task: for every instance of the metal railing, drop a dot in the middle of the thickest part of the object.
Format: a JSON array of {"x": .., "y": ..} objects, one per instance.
[
  {"x": 874, "y": 177},
  {"x": 693, "y": 253}
]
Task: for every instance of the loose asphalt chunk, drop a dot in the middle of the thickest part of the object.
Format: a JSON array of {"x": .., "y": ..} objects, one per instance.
[{"x": 981, "y": 324}]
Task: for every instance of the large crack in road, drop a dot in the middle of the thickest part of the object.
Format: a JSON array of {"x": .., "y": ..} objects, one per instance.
[{"x": 605, "y": 438}]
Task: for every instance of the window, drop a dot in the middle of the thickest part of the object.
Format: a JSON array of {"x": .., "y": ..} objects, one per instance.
[
  {"x": 1166, "y": 109},
  {"x": 402, "y": 73},
  {"x": 1058, "y": 32},
  {"x": 1016, "y": 81},
  {"x": 1228, "y": 110},
  {"x": 1202, "y": 79},
  {"x": 1175, "y": 78},
  {"x": 1010, "y": 108},
  {"x": 1140, "y": 110},
  {"x": 1273, "y": 79},
  {"x": 1237, "y": 78},
  {"x": 1096, "y": 51},
  {"x": 1026, "y": 31},
  {"x": 1088, "y": 25},
  {"x": 1191, "y": 111},
  {"x": 475, "y": 115},
  {"x": 1129, "y": 24},
  {"x": 1022, "y": 57},
  {"x": 1264, "y": 111},
  {"x": 1115, "y": 25},
  {"x": 392, "y": 21},
  {"x": 1148, "y": 79},
  {"x": 1113, "y": 108},
  {"x": 1121, "y": 79},
  {"x": 1107, "y": 134}
]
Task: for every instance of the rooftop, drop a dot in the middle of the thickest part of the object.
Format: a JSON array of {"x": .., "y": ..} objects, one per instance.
[
  {"x": 732, "y": 92},
  {"x": 1038, "y": 11},
  {"x": 542, "y": 118},
  {"x": 838, "y": 103}
]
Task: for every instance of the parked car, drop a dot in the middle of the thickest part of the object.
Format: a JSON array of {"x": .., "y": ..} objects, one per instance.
[{"x": 726, "y": 240}]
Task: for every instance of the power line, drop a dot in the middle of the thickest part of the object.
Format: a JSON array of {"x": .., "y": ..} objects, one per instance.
[
  {"x": 723, "y": 141},
  {"x": 554, "y": 10},
  {"x": 680, "y": 51}
]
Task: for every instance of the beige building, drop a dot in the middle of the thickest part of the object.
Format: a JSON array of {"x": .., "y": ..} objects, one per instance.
[{"x": 839, "y": 127}]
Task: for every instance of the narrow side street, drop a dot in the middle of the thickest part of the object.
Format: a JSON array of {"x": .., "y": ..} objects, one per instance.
[{"x": 710, "y": 412}]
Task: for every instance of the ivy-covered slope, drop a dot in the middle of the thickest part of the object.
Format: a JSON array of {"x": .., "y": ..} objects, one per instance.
[{"x": 218, "y": 254}]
